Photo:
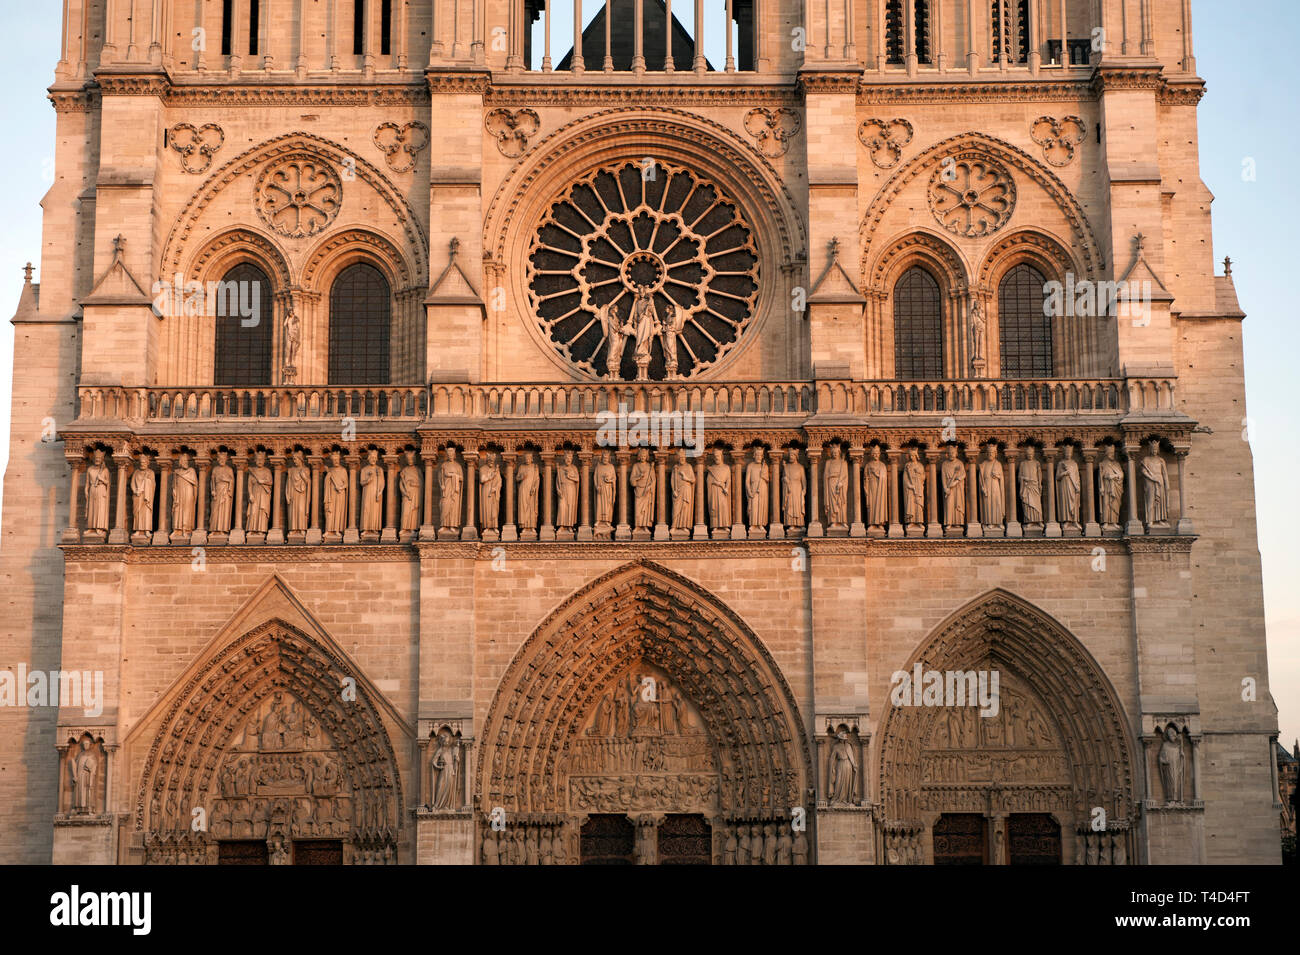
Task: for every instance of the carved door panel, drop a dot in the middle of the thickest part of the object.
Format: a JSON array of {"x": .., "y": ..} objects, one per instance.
[
  {"x": 318, "y": 852},
  {"x": 608, "y": 839},
  {"x": 1034, "y": 838},
  {"x": 685, "y": 840},
  {"x": 961, "y": 839},
  {"x": 242, "y": 853}
]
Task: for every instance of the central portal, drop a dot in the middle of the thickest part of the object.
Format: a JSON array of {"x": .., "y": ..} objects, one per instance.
[{"x": 643, "y": 723}]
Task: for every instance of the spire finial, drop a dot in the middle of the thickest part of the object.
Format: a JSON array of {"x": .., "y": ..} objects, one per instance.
[
  {"x": 27, "y": 271},
  {"x": 835, "y": 247},
  {"x": 1227, "y": 265},
  {"x": 1141, "y": 242}
]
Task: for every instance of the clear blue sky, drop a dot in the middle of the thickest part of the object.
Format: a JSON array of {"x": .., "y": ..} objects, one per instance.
[{"x": 1248, "y": 64}]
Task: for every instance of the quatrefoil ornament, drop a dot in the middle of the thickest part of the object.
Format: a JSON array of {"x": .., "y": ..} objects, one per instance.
[
  {"x": 1058, "y": 137},
  {"x": 202, "y": 141},
  {"x": 885, "y": 139},
  {"x": 512, "y": 128},
  {"x": 772, "y": 128},
  {"x": 401, "y": 144}
]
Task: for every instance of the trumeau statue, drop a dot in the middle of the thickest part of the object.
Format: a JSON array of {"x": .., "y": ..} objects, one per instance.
[
  {"x": 451, "y": 485},
  {"x": 410, "y": 484},
  {"x": 335, "y": 497},
  {"x": 566, "y": 492},
  {"x": 1170, "y": 760},
  {"x": 297, "y": 493},
  {"x": 794, "y": 486},
  {"x": 372, "y": 494},
  {"x": 877, "y": 489},
  {"x": 185, "y": 493},
  {"x": 843, "y": 769},
  {"x": 683, "y": 492},
  {"x": 489, "y": 501},
  {"x": 837, "y": 489},
  {"x": 604, "y": 478},
  {"x": 259, "y": 495},
  {"x": 643, "y": 488},
  {"x": 143, "y": 484},
  {"x": 756, "y": 489},
  {"x": 913, "y": 489},
  {"x": 1110, "y": 487},
  {"x": 717, "y": 479},
  {"x": 1030, "y": 473},
  {"x": 1067, "y": 488},
  {"x": 953, "y": 477},
  {"x": 992, "y": 489},
  {"x": 528, "y": 479},
  {"x": 98, "y": 479},
  {"x": 445, "y": 771},
  {"x": 223, "y": 494},
  {"x": 1155, "y": 487}
]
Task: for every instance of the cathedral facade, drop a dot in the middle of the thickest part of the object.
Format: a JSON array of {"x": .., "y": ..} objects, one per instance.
[{"x": 773, "y": 434}]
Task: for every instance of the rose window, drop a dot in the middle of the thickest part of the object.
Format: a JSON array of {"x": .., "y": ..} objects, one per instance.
[
  {"x": 298, "y": 196},
  {"x": 663, "y": 247},
  {"x": 971, "y": 197}
]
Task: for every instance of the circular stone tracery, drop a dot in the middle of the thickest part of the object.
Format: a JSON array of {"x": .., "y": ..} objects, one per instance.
[
  {"x": 298, "y": 196},
  {"x": 971, "y": 197},
  {"x": 656, "y": 227}
]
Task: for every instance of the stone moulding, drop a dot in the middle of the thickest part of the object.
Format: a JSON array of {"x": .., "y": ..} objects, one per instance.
[{"x": 601, "y": 550}]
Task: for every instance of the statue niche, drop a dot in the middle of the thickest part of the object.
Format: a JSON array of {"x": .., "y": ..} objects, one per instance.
[
  {"x": 642, "y": 746},
  {"x": 84, "y": 763}
]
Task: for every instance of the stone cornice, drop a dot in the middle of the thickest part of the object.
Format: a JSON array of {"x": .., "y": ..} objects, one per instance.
[
  {"x": 458, "y": 81},
  {"x": 1107, "y": 78},
  {"x": 829, "y": 81},
  {"x": 778, "y": 549}
]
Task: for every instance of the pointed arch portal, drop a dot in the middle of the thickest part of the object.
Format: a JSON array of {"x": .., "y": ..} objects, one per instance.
[
  {"x": 1058, "y": 746},
  {"x": 642, "y": 697},
  {"x": 280, "y": 741}
]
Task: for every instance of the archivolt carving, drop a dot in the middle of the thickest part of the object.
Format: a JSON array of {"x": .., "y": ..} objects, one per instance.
[
  {"x": 976, "y": 146},
  {"x": 550, "y": 719},
  {"x": 672, "y": 126},
  {"x": 290, "y": 144},
  {"x": 1062, "y": 729},
  {"x": 380, "y": 248},
  {"x": 231, "y": 244},
  {"x": 264, "y": 739},
  {"x": 947, "y": 260},
  {"x": 1047, "y": 253}
]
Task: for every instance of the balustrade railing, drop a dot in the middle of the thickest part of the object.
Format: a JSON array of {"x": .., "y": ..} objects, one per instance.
[{"x": 559, "y": 402}]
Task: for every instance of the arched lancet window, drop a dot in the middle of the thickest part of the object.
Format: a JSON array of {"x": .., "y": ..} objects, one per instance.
[
  {"x": 242, "y": 352},
  {"x": 918, "y": 327},
  {"x": 361, "y": 311},
  {"x": 1024, "y": 331},
  {"x": 896, "y": 33},
  {"x": 358, "y": 27},
  {"x": 1010, "y": 29}
]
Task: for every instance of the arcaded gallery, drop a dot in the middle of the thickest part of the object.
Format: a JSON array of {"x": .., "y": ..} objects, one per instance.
[{"x": 747, "y": 432}]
